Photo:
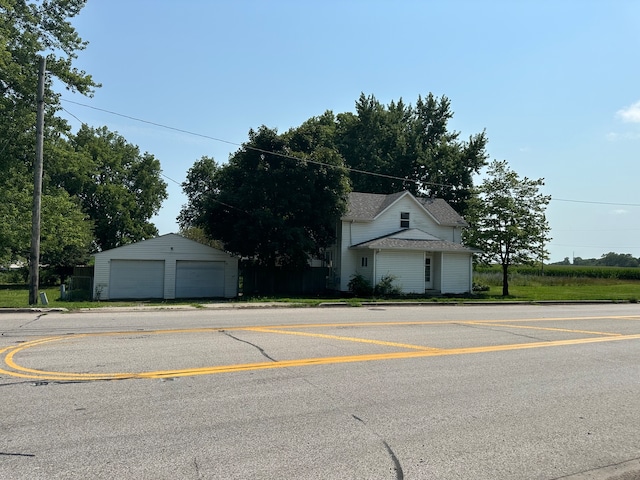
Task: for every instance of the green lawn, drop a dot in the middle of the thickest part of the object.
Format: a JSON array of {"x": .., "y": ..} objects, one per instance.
[
  {"x": 527, "y": 289},
  {"x": 623, "y": 291}
]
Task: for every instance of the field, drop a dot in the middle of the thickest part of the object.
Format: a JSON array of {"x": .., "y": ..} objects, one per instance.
[{"x": 528, "y": 284}]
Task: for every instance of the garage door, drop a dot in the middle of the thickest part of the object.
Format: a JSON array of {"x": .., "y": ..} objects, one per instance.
[
  {"x": 136, "y": 279},
  {"x": 199, "y": 279}
]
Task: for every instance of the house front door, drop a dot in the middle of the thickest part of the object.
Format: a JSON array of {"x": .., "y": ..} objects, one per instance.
[{"x": 428, "y": 282}]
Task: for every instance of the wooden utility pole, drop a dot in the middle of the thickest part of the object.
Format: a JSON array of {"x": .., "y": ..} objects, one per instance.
[{"x": 34, "y": 257}]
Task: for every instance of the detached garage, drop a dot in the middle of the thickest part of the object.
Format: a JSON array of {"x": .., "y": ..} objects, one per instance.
[{"x": 168, "y": 267}]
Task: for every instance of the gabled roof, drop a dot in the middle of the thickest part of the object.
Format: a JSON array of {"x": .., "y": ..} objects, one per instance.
[
  {"x": 365, "y": 207},
  {"x": 168, "y": 237},
  {"x": 413, "y": 239}
]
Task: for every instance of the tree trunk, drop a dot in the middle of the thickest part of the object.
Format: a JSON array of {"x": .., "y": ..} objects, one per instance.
[{"x": 505, "y": 280}]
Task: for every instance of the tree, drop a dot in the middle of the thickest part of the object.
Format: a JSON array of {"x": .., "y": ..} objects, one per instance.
[
  {"x": 269, "y": 203},
  {"x": 507, "y": 219},
  {"x": 66, "y": 233},
  {"x": 377, "y": 140},
  {"x": 119, "y": 188},
  {"x": 444, "y": 164},
  {"x": 409, "y": 148},
  {"x": 613, "y": 259},
  {"x": 29, "y": 29}
]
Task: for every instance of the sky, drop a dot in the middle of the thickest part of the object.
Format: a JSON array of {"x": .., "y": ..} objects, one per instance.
[{"x": 555, "y": 84}]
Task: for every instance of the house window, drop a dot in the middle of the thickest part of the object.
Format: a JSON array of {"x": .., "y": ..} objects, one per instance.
[
  {"x": 364, "y": 262},
  {"x": 404, "y": 219},
  {"x": 427, "y": 269}
]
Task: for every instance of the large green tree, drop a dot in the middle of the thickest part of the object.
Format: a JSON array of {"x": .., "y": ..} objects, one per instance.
[
  {"x": 269, "y": 203},
  {"x": 119, "y": 188},
  {"x": 409, "y": 148},
  {"x": 29, "y": 29},
  {"x": 66, "y": 232},
  {"x": 507, "y": 220}
]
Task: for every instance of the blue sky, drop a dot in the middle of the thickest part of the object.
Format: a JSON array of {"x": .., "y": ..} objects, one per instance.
[{"x": 555, "y": 84}]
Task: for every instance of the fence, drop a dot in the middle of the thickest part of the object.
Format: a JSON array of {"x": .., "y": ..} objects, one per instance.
[{"x": 264, "y": 281}]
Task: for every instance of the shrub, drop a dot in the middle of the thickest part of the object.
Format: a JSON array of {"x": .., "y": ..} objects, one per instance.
[
  {"x": 359, "y": 286},
  {"x": 385, "y": 287}
]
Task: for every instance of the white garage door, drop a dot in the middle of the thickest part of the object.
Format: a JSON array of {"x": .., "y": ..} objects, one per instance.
[
  {"x": 199, "y": 279},
  {"x": 136, "y": 279}
]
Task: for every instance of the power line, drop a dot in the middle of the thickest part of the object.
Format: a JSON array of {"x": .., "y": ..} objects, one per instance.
[
  {"x": 315, "y": 162},
  {"x": 596, "y": 203},
  {"x": 255, "y": 149}
]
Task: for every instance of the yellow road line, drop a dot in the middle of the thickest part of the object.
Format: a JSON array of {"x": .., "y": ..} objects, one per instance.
[
  {"x": 552, "y": 329},
  {"x": 43, "y": 375},
  {"x": 348, "y": 339}
]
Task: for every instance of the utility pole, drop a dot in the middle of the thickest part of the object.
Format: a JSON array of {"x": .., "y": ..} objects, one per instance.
[{"x": 34, "y": 256}]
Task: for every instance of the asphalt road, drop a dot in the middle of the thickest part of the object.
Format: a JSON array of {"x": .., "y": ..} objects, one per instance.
[{"x": 434, "y": 392}]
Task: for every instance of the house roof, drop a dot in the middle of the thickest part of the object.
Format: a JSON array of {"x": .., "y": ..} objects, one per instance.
[
  {"x": 136, "y": 246},
  {"x": 413, "y": 239},
  {"x": 366, "y": 207}
]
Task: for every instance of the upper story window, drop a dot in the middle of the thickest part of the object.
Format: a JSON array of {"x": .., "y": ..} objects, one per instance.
[{"x": 404, "y": 219}]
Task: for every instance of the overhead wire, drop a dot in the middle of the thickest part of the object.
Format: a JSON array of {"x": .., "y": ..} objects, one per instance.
[
  {"x": 260, "y": 150},
  {"x": 292, "y": 157}
]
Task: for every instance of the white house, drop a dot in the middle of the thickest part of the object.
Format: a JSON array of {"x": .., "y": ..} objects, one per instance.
[
  {"x": 169, "y": 266},
  {"x": 416, "y": 240}
]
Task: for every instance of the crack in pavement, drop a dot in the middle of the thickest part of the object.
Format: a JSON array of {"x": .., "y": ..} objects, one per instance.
[
  {"x": 197, "y": 467},
  {"x": 34, "y": 320},
  {"x": 394, "y": 458},
  {"x": 260, "y": 349},
  {"x": 511, "y": 332},
  {"x": 8, "y": 454}
]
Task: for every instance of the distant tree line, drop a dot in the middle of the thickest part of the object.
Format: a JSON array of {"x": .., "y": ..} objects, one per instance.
[{"x": 610, "y": 259}]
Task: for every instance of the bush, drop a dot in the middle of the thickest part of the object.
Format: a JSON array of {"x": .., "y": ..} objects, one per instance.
[
  {"x": 478, "y": 287},
  {"x": 360, "y": 286},
  {"x": 385, "y": 287}
]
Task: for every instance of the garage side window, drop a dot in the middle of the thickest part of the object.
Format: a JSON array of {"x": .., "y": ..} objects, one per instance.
[{"x": 364, "y": 262}]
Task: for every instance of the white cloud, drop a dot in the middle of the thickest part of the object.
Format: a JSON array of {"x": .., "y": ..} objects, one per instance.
[
  {"x": 631, "y": 113},
  {"x": 620, "y": 211}
]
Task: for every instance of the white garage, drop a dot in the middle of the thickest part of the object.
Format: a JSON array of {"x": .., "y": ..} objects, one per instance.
[{"x": 165, "y": 267}]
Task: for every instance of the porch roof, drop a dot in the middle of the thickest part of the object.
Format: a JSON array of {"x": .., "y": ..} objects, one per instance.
[{"x": 421, "y": 241}]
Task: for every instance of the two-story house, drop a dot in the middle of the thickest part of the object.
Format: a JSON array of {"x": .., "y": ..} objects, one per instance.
[{"x": 416, "y": 240}]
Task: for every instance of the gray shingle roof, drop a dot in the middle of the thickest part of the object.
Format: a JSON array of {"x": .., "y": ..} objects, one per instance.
[
  {"x": 367, "y": 206},
  {"x": 390, "y": 242}
]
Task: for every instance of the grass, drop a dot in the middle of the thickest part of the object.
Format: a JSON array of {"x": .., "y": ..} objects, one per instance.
[
  {"x": 526, "y": 288},
  {"x": 537, "y": 288}
]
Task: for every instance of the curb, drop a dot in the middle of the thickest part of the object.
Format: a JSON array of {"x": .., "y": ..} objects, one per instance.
[{"x": 239, "y": 306}]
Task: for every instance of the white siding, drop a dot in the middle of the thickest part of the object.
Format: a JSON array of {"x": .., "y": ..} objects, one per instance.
[
  {"x": 169, "y": 249},
  {"x": 456, "y": 273},
  {"x": 389, "y": 222},
  {"x": 406, "y": 266}
]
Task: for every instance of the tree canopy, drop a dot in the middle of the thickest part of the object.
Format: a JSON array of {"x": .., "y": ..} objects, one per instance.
[
  {"x": 409, "y": 148},
  {"x": 279, "y": 197},
  {"x": 269, "y": 203},
  {"x": 27, "y": 31},
  {"x": 507, "y": 219},
  {"x": 98, "y": 190}
]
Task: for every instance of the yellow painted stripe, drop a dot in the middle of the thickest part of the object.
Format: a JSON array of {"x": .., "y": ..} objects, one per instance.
[
  {"x": 35, "y": 374},
  {"x": 570, "y": 330},
  {"x": 348, "y": 339}
]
